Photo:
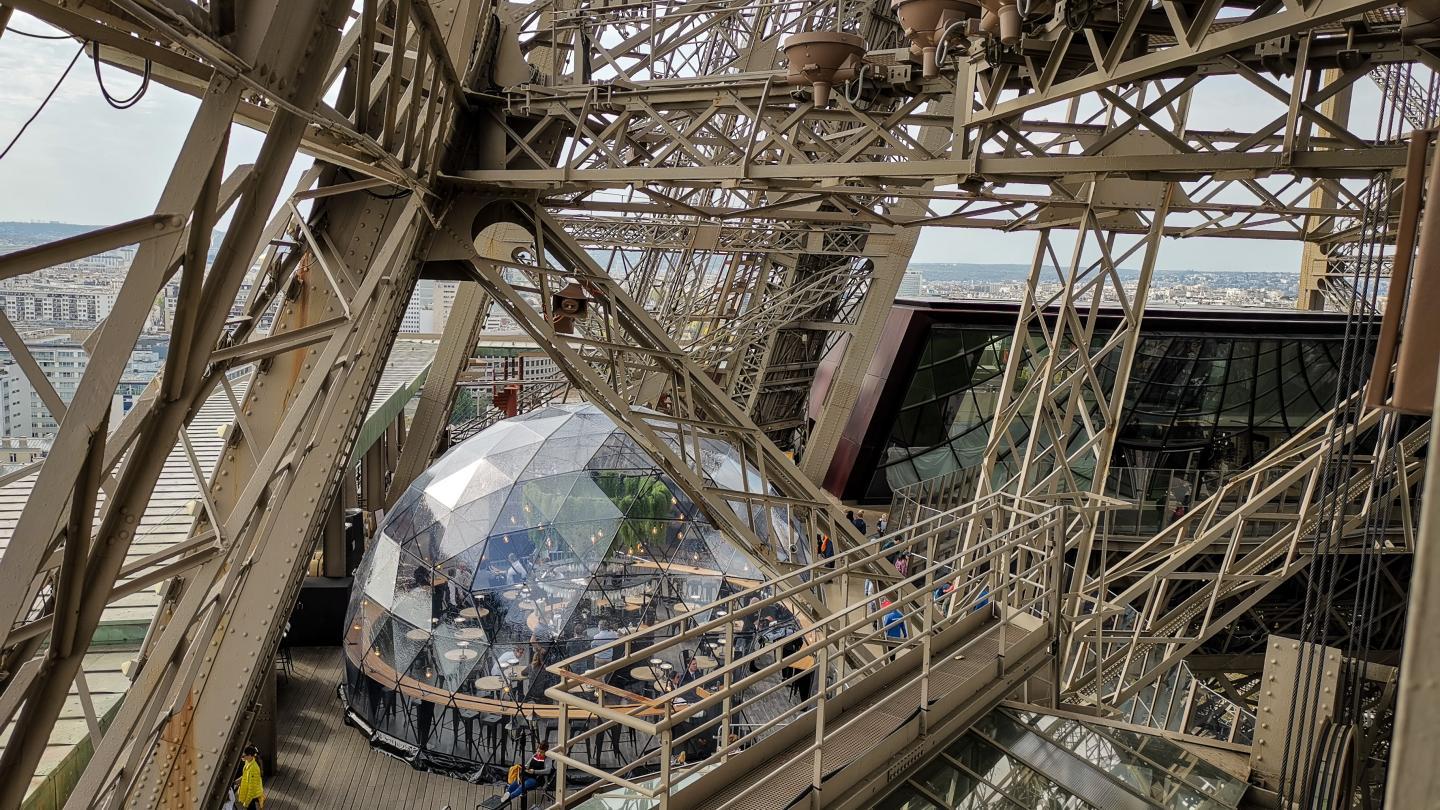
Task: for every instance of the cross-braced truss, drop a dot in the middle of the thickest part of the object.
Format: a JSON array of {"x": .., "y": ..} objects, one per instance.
[{"x": 719, "y": 231}]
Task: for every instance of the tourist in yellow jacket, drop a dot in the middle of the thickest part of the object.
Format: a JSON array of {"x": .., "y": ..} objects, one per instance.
[{"x": 251, "y": 793}]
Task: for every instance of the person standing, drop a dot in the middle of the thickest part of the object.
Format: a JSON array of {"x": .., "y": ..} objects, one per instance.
[
  {"x": 250, "y": 792},
  {"x": 895, "y": 631},
  {"x": 825, "y": 548},
  {"x": 881, "y": 524},
  {"x": 859, "y": 521}
]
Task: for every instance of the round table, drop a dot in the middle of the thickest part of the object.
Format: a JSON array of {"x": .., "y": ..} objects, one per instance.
[
  {"x": 635, "y": 602},
  {"x": 489, "y": 683},
  {"x": 808, "y": 662},
  {"x": 516, "y": 672},
  {"x": 706, "y": 662},
  {"x": 510, "y": 593},
  {"x": 643, "y": 674},
  {"x": 417, "y": 634},
  {"x": 461, "y": 654},
  {"x": 439, "y": 579},
  {"x": 470, "y": 633},
  {"x": 680, "y": 607},
  {"x": 474, "y": 612},
  {"x": 527, "y": 604}
]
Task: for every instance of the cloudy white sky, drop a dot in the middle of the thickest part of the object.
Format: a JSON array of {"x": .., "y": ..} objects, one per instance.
[{"x": 86, "y": 163}]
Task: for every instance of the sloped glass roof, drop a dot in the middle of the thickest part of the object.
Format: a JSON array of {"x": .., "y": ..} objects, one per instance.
[{"x": 1026, "y": 760}]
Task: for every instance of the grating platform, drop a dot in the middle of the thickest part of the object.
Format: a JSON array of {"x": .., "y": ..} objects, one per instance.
[{"x": 855, "y": 732}]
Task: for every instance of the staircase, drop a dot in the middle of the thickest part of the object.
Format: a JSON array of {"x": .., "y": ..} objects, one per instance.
[{"x": 809, "y": 717}]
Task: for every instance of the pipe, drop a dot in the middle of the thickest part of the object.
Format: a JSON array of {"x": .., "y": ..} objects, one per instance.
[
  {"x": 1379, "y": 384},
  {"x": 822, "y": 93},
  {"x": 1415, "y": 365}
]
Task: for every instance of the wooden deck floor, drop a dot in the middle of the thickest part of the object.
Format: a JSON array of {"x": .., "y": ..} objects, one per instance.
[{"x": 324, "y": 764}]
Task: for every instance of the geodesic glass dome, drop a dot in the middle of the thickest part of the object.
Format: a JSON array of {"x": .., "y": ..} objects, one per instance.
[{"x": 513, "y": 551}]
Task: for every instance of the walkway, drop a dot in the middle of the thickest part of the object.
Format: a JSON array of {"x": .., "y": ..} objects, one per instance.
[{"x": 324, "y": 764}]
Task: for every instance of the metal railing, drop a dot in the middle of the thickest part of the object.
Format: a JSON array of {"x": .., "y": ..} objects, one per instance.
[
  {"x": 1013, "y": 573},
  {"x": 932, "y": 496}
]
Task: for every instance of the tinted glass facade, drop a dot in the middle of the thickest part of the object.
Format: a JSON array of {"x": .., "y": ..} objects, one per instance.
[{"x": 1207, "y": 394}]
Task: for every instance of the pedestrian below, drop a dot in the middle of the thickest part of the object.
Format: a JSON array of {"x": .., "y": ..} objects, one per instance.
[
  {"x": 825, "y": 548},
  {"x": 250, "y": 792},
  {"x": 859, "y": 521},
  {"x": 529, "y": 776},
  {"x": 895, "y": 631}
]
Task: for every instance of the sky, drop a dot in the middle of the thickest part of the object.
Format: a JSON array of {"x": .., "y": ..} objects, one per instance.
[{"x": 84, "y": 162}]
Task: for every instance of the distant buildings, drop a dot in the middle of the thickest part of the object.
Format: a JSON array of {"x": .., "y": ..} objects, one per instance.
[
  {"x": 23, "y": 413},
  {"x": 912, "y": 285},
  {"x": 62, "y": 356}
]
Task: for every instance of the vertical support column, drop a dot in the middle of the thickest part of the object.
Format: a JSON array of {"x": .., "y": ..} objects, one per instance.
[
  {"x": 1283, "y": 750},
  {"x": 725, "y": 708},
  {"x": 564, "y": 734},
  {"x": 817, "y": 772},
  {"x": 1414, "y": 781},
  {"x": 333, "y": 558}
]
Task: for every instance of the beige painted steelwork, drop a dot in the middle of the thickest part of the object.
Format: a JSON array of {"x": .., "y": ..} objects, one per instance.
[{"x": 749, "y": 232}]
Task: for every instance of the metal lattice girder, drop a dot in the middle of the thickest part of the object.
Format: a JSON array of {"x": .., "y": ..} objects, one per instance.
[
  {"x": 290, "y": 59},
  {"x": 1142, "y": 615},
  {"x": 622, "y": 360},
  {"x": 1058, "y": 411},
  {"x": 82, "y": 568}
]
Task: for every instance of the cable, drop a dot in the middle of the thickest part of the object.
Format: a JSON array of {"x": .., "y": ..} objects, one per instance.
[
  {"x": 120, "y": 103},
  {"x": 37, "y": 36},
  {"x": 43, "y": 104},
  {"x": 352, "y": 177}
]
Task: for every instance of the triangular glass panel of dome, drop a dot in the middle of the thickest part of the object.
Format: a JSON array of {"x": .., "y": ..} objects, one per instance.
[
  {"x": 684, "y": 507},
  {"x": 588, "y": 541},
  {"x": 405, "y": 640},
  {"x": 620, "y": 487},
  {"x": 488, "y": 480},
  {"x": 378, "y": 582},
  {"x": 587, "y": 501},
  {"x": 634, "y": 538},
  {"x": 443, "y": 540},
  {"x": 574, "y": 425},
  {"x": 728, "y": 557},
  {"x": 544, "y": 423},
  {"x": 721, "y": 464},
  {"x": 426, "y": 667},
  {"x": 512, "y": 463},
  {"x": 414, "y": 600},
  {"x": 559, "y": 456},
  {"x": 379, "y": 655},
  {"x": 480, "y": 517},
  {"x": 652, "y": 499},
  {"x": 619, "y": 452},
  {"x": 456, "y": 654},
  {"x": 461, "y": 568},
  {"x": 548, "y": 496},
  {"x": 514, "y": 436},
  {"x": 449, "y": 489}
]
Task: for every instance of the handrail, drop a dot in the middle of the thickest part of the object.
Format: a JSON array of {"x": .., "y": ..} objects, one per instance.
[{"x": 1013, "y": 571}]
